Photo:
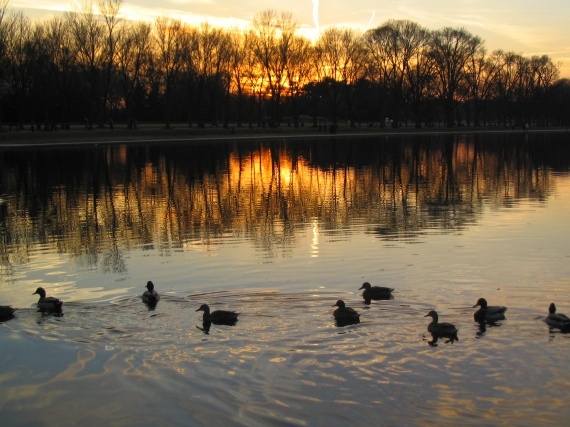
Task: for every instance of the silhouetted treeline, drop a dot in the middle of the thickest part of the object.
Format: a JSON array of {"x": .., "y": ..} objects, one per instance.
[{"x": 90, "y": 66}]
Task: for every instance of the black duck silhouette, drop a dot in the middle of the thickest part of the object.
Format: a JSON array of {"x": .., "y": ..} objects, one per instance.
[
  {"x": 48, "y": 304},
  {"x": 344, "y": 315},
  {"x": 218, "y": 317},
  {"x": 488, "y": 313},
  {"x": 375, "y": 292},
  {"x": 150, "y": 297}
]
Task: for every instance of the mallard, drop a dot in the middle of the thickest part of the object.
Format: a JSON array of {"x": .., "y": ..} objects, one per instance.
[
  {"x": 442, "y": 329},
  {"x": 150, "y": 296},
  {"x": 344, "y": 313},
  {"x": 375, "y": 292},
  {"x": 6, "y": 313},
  {"x": 557, "y": 320},
  {"x": 48, "y": 303},
  {"x": 218, "y": 317},
  {"x": 489, "y": 314}
]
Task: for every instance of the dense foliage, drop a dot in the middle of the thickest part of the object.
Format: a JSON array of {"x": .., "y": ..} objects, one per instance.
[{"x": 90, "y": 66}]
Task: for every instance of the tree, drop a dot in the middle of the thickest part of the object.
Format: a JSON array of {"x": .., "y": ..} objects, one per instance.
[
  {"x": 299, "y": 72},
  {"x": 238, "y": 68},
  {"x": 340, "y": 62},
  {"x": 133, "y": 59},
  {"x": 395, "y": 48},
  {"x": 211, "y": 61},
  {"x": 506, "y": 85},
  {"x": 109, "y": 9},
  {"x": 542, "y": 74},
  {"x": 559, "y": 105},
  {"x": 420, "y": 77},
  {"x": 21, "y": 51},
  {"x": 88, "y": 44},
  {"x": 271, "y": 40},
  {"x": 451, "y": 49},
  {"x": 5, "y": 33},
  {"x": 481, "y": 73},
  {"x": 169, "y": 36}
]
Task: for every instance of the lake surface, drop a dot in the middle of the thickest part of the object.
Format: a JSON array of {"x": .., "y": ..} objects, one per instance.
[{"x": 280, "y": 230}]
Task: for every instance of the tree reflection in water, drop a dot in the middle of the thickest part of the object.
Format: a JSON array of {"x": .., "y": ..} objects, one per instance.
[{"x": 96, "y": 202}]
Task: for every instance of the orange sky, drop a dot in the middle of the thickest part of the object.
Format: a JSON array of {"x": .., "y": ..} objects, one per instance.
[{"x": 522, "y": 26}]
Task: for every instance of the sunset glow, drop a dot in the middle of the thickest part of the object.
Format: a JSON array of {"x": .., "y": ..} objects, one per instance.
[{"x": 524, "y": 28}]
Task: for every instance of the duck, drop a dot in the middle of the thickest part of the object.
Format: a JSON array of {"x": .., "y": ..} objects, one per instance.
[
  {"x": 557, "y": 320},
  {"x": 441, "y": 329},
  {"x": 6, "y": 313},
  {"x": 375, "y": 292},
  {"x": 218, "y": 317},
  {"x": 150, "y": 296},
  {"x": 345, "y": 314},
  {"x": 489, "y": 314},
  {"x": 48, "y": 303}
]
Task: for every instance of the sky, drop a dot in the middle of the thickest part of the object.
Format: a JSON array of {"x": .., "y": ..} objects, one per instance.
[{"x": 527, "y": 27}]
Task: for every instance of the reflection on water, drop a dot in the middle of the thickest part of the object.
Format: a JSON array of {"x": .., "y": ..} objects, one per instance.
[
  {"x": 285, "y": 359},
  {"x": 96, "y": 203},
  {"x": 279, "y": 231}
]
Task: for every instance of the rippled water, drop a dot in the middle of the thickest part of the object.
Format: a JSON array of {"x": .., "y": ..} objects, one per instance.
[{"x": 279, "y": 231}]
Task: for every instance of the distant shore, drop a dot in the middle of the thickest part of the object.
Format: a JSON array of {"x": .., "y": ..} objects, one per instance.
[{"x": 146, "y": 133}]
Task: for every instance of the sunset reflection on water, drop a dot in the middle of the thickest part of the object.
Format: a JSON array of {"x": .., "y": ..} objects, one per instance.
[{"x": 279, "y": 231}]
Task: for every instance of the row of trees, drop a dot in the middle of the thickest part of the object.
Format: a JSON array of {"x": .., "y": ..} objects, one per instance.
[{"x": 92, "y": 65}]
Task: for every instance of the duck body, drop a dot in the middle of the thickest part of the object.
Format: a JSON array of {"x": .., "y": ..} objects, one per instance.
[
  {"x": 375, "y": 292},
  {"x": 150, "y": 296},
  {"x": 488, "y": 313},
  {"x": 6, "y": 313},
  {"x": 345, "y": 315},
  {"x": 442, "y": 329},
  {"x": 218, "y": 317},
  {"x": 48, "y": 303},
  {"x": 557, "y": 320}
]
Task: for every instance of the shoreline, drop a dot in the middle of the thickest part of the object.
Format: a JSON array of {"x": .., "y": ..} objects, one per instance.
[{"x": 178, "y": 133}]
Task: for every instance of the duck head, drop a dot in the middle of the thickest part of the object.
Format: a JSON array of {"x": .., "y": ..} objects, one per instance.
[
  {"x": 41, "y": 292},
  {"x": 481, "y": 302},
  {"x": 432, "y": 314},
  {"x": 552, "y": 308},
  {"x": 205, "y": 308},
  {"x": 365, "y": 285},
  {"x": 340, "y": 304},
  {"x": 150, "y": 286}
]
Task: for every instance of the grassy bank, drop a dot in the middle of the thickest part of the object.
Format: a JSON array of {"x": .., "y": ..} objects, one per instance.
[{"x": 156, "y": 132}]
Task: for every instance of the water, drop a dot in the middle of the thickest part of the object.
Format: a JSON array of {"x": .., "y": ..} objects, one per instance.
[{"x": 279, "y": 231}]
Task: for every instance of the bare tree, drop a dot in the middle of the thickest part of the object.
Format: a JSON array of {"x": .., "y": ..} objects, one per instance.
[
  {"x": 395, "y": 46},
  {"x": 211, "y": 58},
  {"x": 88, "y": 43},
  {"x": 481, "y": 73},
  {"x": 299, "y": 72},
  {"x": 109, "y": 10},
  {"x": 5, "y": 35},
  {"x": 340, "y": 62},
  {"x": 253, "y": 75},
  {"x": 451, "y": 50},
  {"x": 170, "y": 39},
  {"x": 271, "y": 41},
  {"x": 238, "y": 44},
  {"x": 21, "y": 53},
  {"x": 420, "y": 77},
  {"x": 133, "y": 58},
  {"x": 64, "y": 84}
]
